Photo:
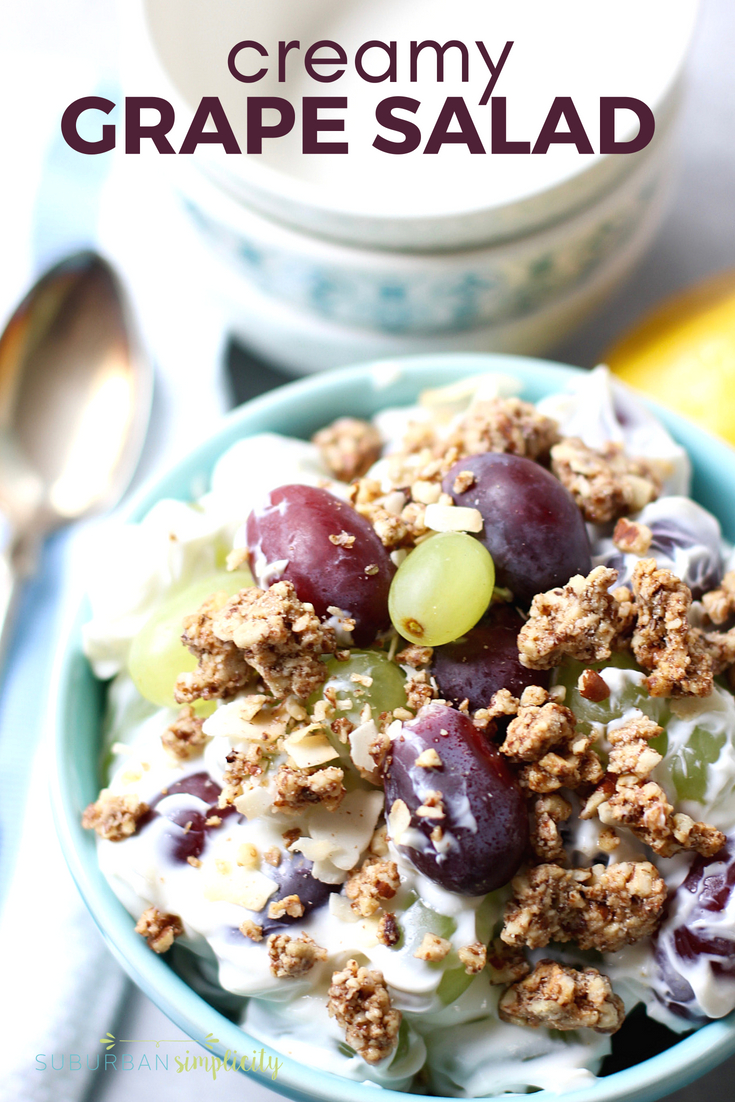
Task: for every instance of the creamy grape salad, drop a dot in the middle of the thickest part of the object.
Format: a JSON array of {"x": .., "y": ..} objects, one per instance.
[{"x": 419, "y": 738}]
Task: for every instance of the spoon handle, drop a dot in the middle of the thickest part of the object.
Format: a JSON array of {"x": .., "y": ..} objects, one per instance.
[{"x": 10, "y": 585}]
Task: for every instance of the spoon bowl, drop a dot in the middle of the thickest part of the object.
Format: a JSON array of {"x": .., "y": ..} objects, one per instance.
[{"x": 75, "y": 393}]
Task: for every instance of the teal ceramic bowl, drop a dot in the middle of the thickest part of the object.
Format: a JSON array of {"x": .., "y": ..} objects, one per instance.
[{"x": 299, "y": 409}]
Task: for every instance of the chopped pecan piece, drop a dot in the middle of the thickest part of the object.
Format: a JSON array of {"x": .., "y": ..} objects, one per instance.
[
  {"x": 159, "y": 929},
  {"x": 419, "y": 690},
  {"x": 290, "y": 905},
  {"x": 463, "y": 481},
  {"x": 632, "y": 537},
  {"x": 592, "y": 687},
  {"x": 375, "y": 882},
  {"x": 559, "y": 997},
  {"x": 473, "y": 957},
  {"x": 279, "y": 636},
  {"x": 664, "y": 641},
  {"x": 296, "y": 789},
  {"x": 349, "y": 447},
  {"x": 222, "y": 669},
  {"x": 251, "y": 930},
  {"x": 599, "y": 908},
  {"x": 433, "y": 948},
  {"x": 293, "y": 956},
  {"x": 114, "y": 817},
  {"x": 581, "y": 619},
  {"x": 359, "y": 1000},
  {"x": 415, "y": 656},
  {"x": 605, "y": 484},
  {"x": 388, "y": 932},
  {"x": 184, "y": 738}
]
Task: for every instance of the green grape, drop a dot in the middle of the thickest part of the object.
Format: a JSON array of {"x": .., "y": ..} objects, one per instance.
[
  {"x": 441, "y": 589},
  {"x": 420, "y": 919},
  {"x": 689, "y": 764},
  {"x": 386, "y": 692},
  {"x": 157, "y": 655},
  {"x": 604, "y": 711},
  {"x": 453, "y": 983},
  {"x": 403, "y": 1043}
]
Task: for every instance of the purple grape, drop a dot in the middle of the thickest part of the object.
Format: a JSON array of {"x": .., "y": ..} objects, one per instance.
[
  {"x": 294, "y": 877},
  {"x": 532, "y": 526},
  {"x": 697, "y": 932},
  {"x": 686, "y": 539},
  {"x": 294, "y": 525},
  {"x": 182, "y": 840},
  {"x": 485, "y": 823},
  {"x": 485, "y": 660}
]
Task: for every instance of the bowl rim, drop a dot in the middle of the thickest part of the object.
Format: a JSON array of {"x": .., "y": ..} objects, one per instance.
[{"x": 688, "y": 1058}]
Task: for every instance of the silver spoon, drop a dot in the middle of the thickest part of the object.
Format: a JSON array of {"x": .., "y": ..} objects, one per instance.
[{"x": 75, "y": 395}]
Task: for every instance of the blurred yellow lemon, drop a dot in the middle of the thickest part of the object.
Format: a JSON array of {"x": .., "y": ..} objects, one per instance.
[{"x": 683, "y": 355}]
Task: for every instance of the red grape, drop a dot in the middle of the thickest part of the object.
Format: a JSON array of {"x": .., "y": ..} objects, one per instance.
[
  {"x": 532, "y": 527},
  {"x": 484, "y": 818},
  {"x": 293, "y": 876},
  {"x": 184, "y": 840},
  {"x": 293, "y": 527},
  {"x": 484, "y": 660},
  {"x": 697, "y": 939}
]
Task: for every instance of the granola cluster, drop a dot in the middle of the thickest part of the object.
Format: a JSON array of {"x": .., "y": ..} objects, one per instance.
[
  {"x": 398, "y": 521},
  {"x": 184, "y": 739},
  {"x": 643, "y": 807},
  {"x": 599, "y": 908},
  {"x": 416, "y": 471},
  {"x": 278, "y": 636},
  {"x": 292, "y": 957},
  {"x": 114, "y": 817},
  {"x": 586, "y": 620},
  {"x": 559, "y": 997},
  {"x": 605, "y": 483},
  {"x": 545, "y": 839},
  {"x": 664, "y": 641},
  {"x": 349, "y": 447},
  {"x": 543, "y": 737},
  {"x": 626, "y": 796},
  {"x": 297, "y": 789},
  {"x": 581, "y": 620},
  {"x": 359, "y": 1000},
  {"x": 505, "y": 425},
  {"x": 222, "y": 670},
  {"x": 372, "y": 885},
  {"x": 719, "y": 603}
]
